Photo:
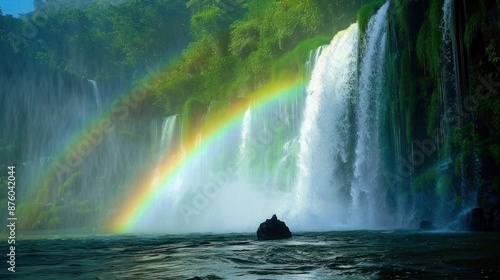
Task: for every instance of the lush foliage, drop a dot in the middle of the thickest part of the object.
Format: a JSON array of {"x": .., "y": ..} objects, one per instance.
[
  {"x": 241, "y": 46},
  {"x": 200, "y": 56},
  {"x": 99, "y": 38},
  {"x": 366, "y": 12},
  {"x": 460, "y": 113},
  {"x": 219, "y": 52}
]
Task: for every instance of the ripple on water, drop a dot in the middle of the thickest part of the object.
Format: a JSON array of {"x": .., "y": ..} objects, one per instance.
[{"x": 340, "y": 255}]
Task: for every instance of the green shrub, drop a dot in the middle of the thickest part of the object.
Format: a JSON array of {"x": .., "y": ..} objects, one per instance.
[
  {"x": 366, "y": 12},
  {"x": 294, "y": 62}
]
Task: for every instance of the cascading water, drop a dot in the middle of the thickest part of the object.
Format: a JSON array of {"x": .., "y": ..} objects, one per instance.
[
  {"x": 447, "y": 31},
  {"x": 97, "y": 95},
  {"x": 454, "y": 193},
  {"x": 165, "y": 137},
  {"x": 326, "y": 137},
  {"x": 315, "y": 157},
  {"x": 245, "y": 141},
  {"x": 449, "y": 100},
  {"x": 324, "y": 133},
  {"x": 366, "y": 192},
  {"x": 168, "y": 134},
  {"x": 71, "y": 166}
]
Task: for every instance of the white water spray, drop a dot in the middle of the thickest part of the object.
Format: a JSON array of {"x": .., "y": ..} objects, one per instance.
[
  {"x": 334, "y": 156},
  {"x": 324, "y": 131},
  {"x": 168, "y": 134},
  {"x": 365, "y": 189},
  {"x": 96, "y": 93},
  {"x": 243, "y": 164}
]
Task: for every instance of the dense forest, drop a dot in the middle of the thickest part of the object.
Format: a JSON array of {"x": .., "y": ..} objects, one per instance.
[{"x": 186, "y": 55}]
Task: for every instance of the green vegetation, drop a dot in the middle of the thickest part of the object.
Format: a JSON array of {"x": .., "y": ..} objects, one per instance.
[
  {"x": 492, "y": 149},
  {"x": 425, "y": 182},
  {"x": 429, "y": 40},
  {"x": 464, "y": 137},
  {"x": 292, "y": 63},
  {"x": 54, "y": 223},
  {"x": 216, "y": 50},
  {"x": 443, "y": 184},
  {"x": 475, "y": 24},
  {"x": 407, "y": 95},
  {"x": 221, "y": 53},
  {"x": 366, "y": 12},
  {"x": 433, "y": 113},
  {"x": 458, "y": 164},
  {"x": 207, "y": 54},
  {"x": 191, "y": 115},
  {"x": 481, "y": 40},
  {"x": 64, "y": 188},
  {"x": 99, "y": 39},
  {"x": 32, "y": 213},
  {"x": 246, "y": 47},
  {"x": 400, "y": 15}
]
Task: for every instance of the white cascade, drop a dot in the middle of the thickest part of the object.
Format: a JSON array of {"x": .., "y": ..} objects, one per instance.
[
  {"x": 324, "y": 132},
  {"x": 97, "y": 95},
  {"x": 168, "y": 134},
  {"x": 367, "y": 197}
]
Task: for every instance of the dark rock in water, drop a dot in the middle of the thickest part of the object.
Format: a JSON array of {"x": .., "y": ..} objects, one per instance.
[
  {"x": 273, "y": 229},
  {"x": 426, "y": 225},
  {"x": 488, "y": 198},
  {"x": 476, "y": 219},
  {"x": 487, "y": 216}
]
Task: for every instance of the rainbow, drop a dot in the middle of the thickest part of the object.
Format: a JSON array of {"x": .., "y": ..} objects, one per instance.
[
  {"x": 83, "y": 141},
  {"x": 147, "y": 190}
]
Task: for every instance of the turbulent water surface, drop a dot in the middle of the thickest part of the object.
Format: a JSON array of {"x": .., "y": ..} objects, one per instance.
[{"x": 314, "y": 255}]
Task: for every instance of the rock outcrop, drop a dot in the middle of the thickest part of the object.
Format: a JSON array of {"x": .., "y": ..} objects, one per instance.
[
  {"x": 426, "y": 225},
  {"x": 486, "y": 217},
  {"x": 273, "y": 229}
]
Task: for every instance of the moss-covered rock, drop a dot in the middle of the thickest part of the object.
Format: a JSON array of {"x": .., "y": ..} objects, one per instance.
[{"x": 366, "y": 12}]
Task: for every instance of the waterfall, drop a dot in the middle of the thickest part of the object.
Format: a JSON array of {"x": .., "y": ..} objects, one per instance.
[
  {"x": 97, "y": 95},
  {"x": 449, "y": 90},
  {"x": 324, "y": 133},
  {"x": 243, "y": 164},
  {"x": 471, "y": 164},
  {"x": 446, "y": 28},
  {"x": 460, "y": 194},
  {"x": 164, "y": 135},
  {"x": 313, "y": 158},
  {"x": 366, "y": 189},
  {"x": 168, "y": 135},
  {"x": 245, "y": 133}
]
